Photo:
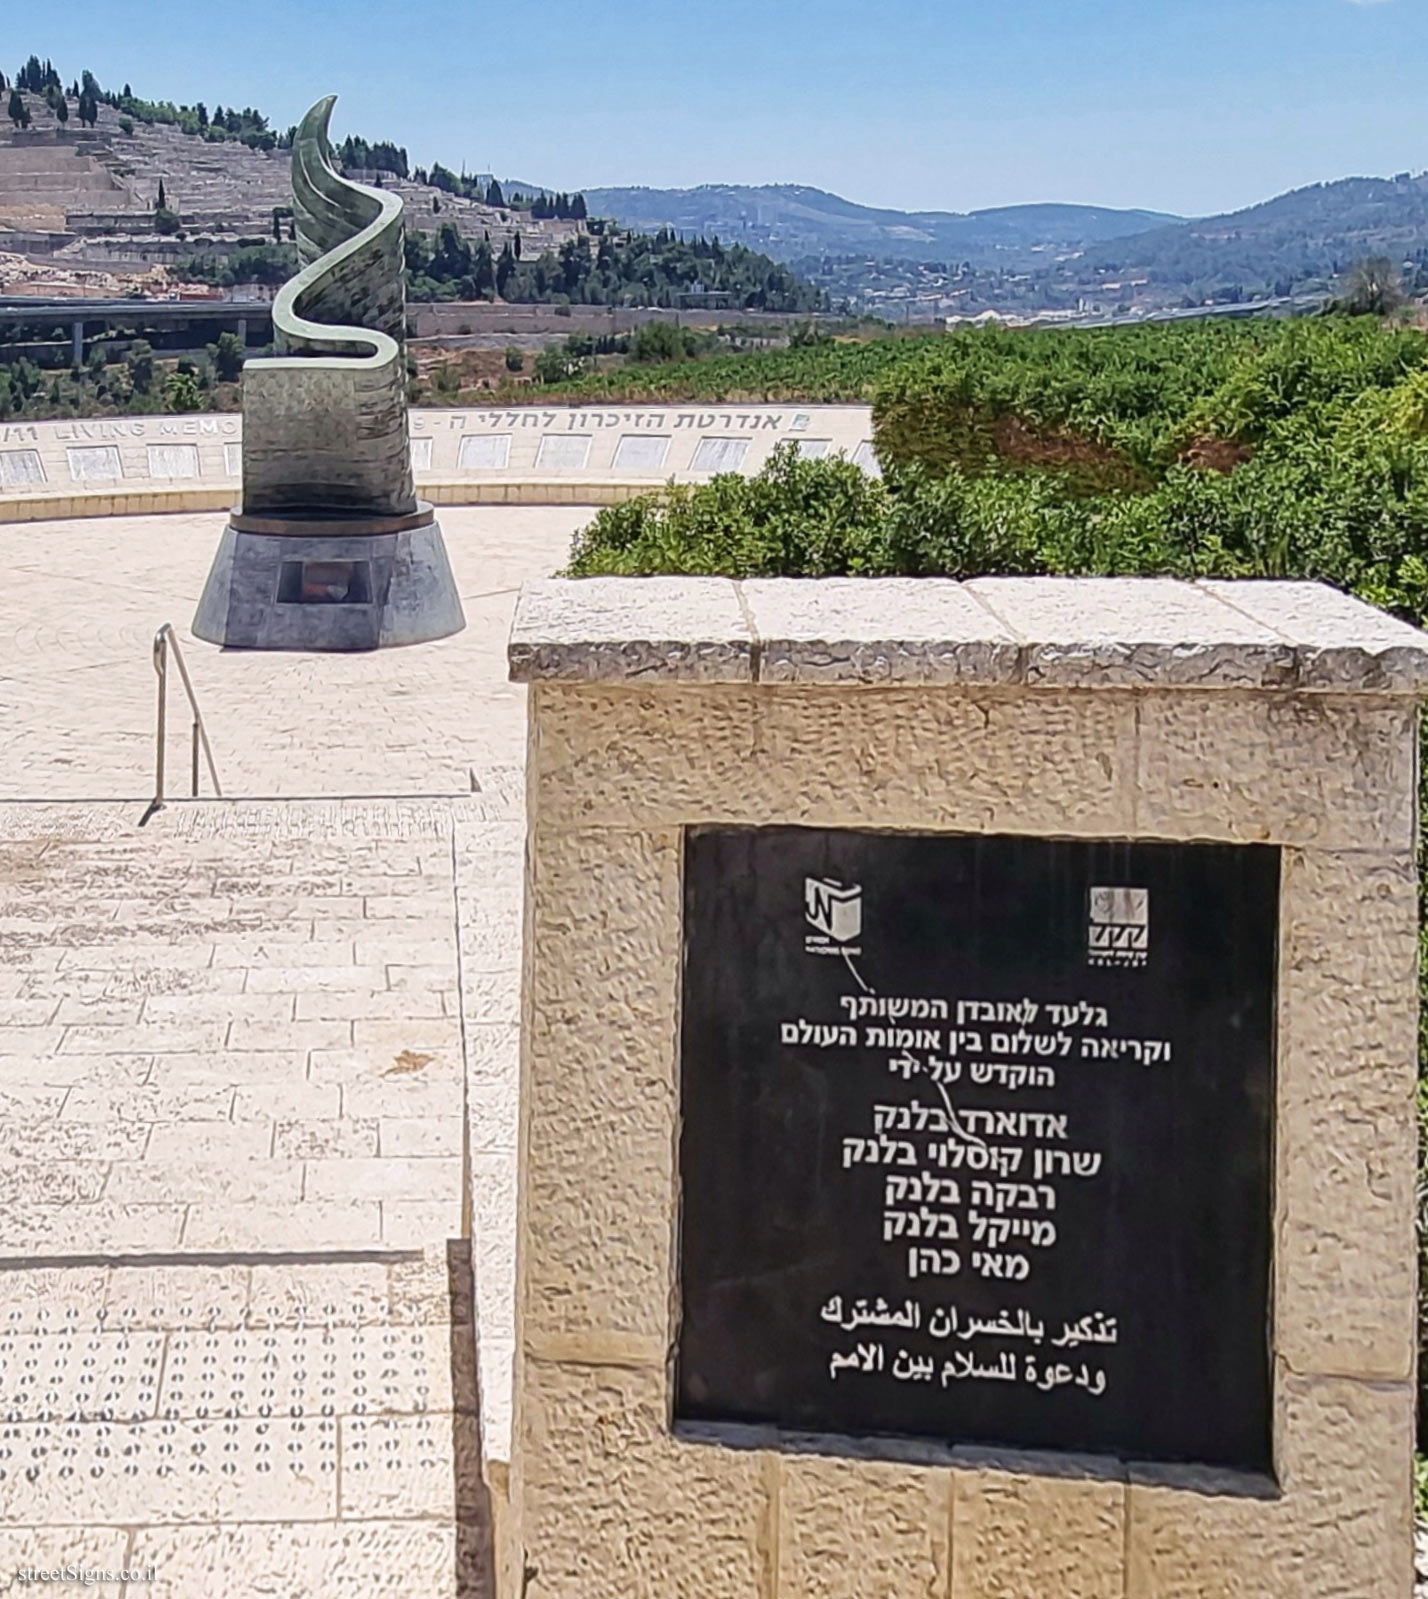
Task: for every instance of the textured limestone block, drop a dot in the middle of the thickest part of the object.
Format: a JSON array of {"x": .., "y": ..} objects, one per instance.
[
  {"x": 371, "y": 1557},
  {"x": 1342, "y": 1530},
  {"x": 613, "y": 1508},
  {"x": 1295, "y": 769},
  {"x": 855, "y": 1529},
  {"x": 1014, "y": 1537},
  {"x": 600, "y": 1052},
  {"x": 892, "y": 630},
  {"x": 1347, "y": 1141},
  {"x": 637, "y": 757},
  {"x": 618, "y": 628},
  {"x": 977, "y": 761},
  {"x": 1134, "y": 632},
  {"x": 1340, "y": 642}
]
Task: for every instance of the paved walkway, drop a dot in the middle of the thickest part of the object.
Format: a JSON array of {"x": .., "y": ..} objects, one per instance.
[
  {"x": 78, "y": 610},
  {"x": 257, "y": 1069}
]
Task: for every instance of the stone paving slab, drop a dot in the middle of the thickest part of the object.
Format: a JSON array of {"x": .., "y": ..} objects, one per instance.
[
  {"x": 258, "y": 1068},
  {"x": 227, "y": 1321}
]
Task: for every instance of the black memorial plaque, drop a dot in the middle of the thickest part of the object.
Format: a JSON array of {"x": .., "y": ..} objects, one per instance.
[{"x": 977, "y": 1140}]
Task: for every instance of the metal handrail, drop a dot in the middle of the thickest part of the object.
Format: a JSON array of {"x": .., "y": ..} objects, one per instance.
[{"x": 165, "y": 642}]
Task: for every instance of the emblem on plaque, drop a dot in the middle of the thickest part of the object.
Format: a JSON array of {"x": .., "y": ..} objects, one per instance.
[
  {"x": 834, "y": 911},
  {"x": 1118, "y": 931}
]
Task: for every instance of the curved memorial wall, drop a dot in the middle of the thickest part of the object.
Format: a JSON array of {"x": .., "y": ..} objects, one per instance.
[{"x": 103, "y": 466}]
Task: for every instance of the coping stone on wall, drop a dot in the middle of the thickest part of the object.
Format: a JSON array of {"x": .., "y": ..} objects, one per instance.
[
  {"x": 1343, "y": 643},
  {"x": 1037, "y": 631},
  {"x": 691, "y": 629}
]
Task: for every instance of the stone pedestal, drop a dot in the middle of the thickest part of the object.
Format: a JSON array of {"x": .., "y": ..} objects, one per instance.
[
  {"x": 1282, "y": 716},
  {"x": 329, "y": 583}
]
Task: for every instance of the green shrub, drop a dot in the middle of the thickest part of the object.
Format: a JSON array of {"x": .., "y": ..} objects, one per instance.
[
  {"x": 665, "y": 341},
  {"x": 181, "y": 393},
  {"x": 813, "y": 518},
  {"x": 557, "y": 363},
  {"x": 227, "y": 356}
]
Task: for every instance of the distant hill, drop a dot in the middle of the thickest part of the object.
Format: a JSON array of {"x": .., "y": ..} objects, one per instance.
[
  {"x": 1307, "y": 234},
  {"x": 1297, "y": 244},
  {"x": 789, "y": 220}
]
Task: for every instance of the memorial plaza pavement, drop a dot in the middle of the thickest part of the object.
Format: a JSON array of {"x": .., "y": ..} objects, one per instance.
[{"x": 257, "y": 1073}]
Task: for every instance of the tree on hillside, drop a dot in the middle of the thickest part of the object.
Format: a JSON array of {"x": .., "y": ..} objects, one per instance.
[
  {"x": 1373, "y": 287},
  {"x": 505, "y": 269},
  {"x": 494, "y": 195},
  {"x": 88, "y": 109},
  {"x": 16, "y": 110},
  {"x": 483, "y": 271},
  {"x": 227, "y": 356},
  {"x": 162, "y": 203},
  {"x": 452, "y": 256},
  {"x": 140, "y": 362},
  {"x": 61, "y": 109}
]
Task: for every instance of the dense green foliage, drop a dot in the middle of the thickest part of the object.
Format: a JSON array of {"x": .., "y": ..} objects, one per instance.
[
  {"x": 1096, "y": 452},
  {"x": 357, "y": 155},
  {"x": 843, "y": 371},
  {"x": 136, "y": 384},
  {"x": 272, "y": 264},
  {"x": 813, "y": 518},
  {"x": 621, "y": 269},
  {"x": 247, "y": 126}
]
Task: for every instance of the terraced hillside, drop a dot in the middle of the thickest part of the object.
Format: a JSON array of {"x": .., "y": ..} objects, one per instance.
[{"x": 88, "y": 195}]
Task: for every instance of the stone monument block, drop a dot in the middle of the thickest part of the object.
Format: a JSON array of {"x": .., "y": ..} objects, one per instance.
[{"x": 968, "y": 1063}]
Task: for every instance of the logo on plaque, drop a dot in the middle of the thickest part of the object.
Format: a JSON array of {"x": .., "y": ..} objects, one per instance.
[
  {"x": 835, "y": 912},
  {"x": 1118, "y": 932}
]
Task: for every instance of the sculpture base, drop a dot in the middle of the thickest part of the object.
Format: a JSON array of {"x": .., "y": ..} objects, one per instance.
[{"x": 329, "y": 583}]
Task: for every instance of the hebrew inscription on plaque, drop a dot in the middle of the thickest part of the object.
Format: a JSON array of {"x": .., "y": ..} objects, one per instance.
[{"x": 977, "y": 1141}]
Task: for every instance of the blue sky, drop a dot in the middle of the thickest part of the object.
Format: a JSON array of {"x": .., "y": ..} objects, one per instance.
[{"x": 1192, "y": 106}]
